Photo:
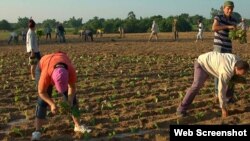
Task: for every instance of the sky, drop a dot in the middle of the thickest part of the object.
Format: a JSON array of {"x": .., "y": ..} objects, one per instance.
[{"x": 63, "y": 10}]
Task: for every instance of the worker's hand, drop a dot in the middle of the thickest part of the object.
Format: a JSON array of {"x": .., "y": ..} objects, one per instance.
[
  {"x": 53, "y": 108},
  {"x": 232, "y": 27},
  {"x": 224, "y": 112}
]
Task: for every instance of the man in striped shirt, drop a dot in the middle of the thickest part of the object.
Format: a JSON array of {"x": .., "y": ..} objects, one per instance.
[{"x": 223, "y": 23}]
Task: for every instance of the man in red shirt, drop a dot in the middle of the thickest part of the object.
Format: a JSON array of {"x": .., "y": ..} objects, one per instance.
[{"x": 55, "y": 70}]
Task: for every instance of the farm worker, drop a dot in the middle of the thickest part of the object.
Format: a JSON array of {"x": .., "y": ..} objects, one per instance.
[
  {"x": 88, "y": 33},
  {"x": 221, "y": 26},
  {"x": 48, "y": 31},
  {"x": 154, "y": 31},
  {"x": 200, "y": 31},
  {"x": 61, "y": 33},
  {"x": 56, "y": 32},
  {"x": 13, "y": 36},
  {"x": 55, "y": 70},
  {"x": 100, "y": 32},
  {"x": 243, "y": 26},
  {"x": 121, "y": 31},
  {"x": 220, "y": 65},
  {"x": 175, "y": 30},
  {"x": 32, "y": 48},
  {"x": 23, "y": 33}
]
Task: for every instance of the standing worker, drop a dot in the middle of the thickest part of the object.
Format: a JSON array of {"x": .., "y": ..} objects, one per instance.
[
  {"x": 244, "y": 27},
  {"x": 48, "y": 31},
  {"x": 32, "y": 48},
  {"x": 175, "y": 30},
  {"x": 61, "y": 33},
  {"x": 200, "y": 31},
  {"x": 222, "y": 24},
  {"x": 154, "y": 31}
]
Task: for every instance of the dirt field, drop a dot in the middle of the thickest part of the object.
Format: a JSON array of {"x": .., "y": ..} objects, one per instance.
[{"x": 128, "y": 89}]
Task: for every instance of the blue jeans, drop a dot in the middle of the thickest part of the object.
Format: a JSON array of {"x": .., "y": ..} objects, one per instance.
[{"x": 41, "y": 108}]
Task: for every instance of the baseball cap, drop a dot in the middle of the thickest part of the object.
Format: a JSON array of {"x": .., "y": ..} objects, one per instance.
[
  {"x": 60, "y": 77},
  {"x": 228, "y": 3}
]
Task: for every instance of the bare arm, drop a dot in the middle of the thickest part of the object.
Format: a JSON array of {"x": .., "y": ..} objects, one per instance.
[
  {"x": 217, "y": 27},
  {"x": 71, "y": 93},
  {"x": 222, "y": 90},
  {"x": 44, "y": 96}
]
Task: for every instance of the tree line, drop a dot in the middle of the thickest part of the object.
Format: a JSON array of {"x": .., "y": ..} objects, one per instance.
[{"x": 131, "y": 24}]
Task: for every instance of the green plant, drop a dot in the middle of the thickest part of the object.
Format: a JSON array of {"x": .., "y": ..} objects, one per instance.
[
  {"x": 109, "y": 105},
  {"x": 177, "y": 122},
  {"x": 138, "y": 93},
  {"x": 64, "y": 108},
  {"x": 134, "y": 129},
  {"x": 16, "y": 98},
  {"x": 156, "y": 125},
  {"x": 239, "y": 35},
  {"x": 112, "y": 97},
  {"x": 86, "y": 136},
  {"x": 181, "y": 94},
  {"x": 199, "y": 115},
  {"x": 112, "y": 134},
  {"x": 115, "y": 119},
  {"x": 17, "y": 131},
  {"x": 156, "y": 99},
  {"x": 93, "y": 121},
  {"x": 54, "y": 94},
  {"x": 161, "y": 110}
]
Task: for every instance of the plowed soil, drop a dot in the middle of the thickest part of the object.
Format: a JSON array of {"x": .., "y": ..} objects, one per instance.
[{"x": 127, "y": 88}]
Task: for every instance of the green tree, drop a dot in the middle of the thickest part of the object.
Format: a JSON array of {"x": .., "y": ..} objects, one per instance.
[
  {"x": 49, "y": 22},
  {"x": 94, "y": 24},
  {"x": 75, "y": 23},
  {"x": 183, "y": 25},
  {"x": 194, "y": 19},
  {"x": 131, "y": 16},
  {"x": 184, "y": 16},
  {"x": 131, "y": 23},
  {"x": 215, "y": 12},
  {"x": 5, "y": 25},
  {"x": 22, "y": 22}
]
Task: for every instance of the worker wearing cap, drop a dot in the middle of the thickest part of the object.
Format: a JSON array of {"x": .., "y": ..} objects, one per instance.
[
  {"x": 222, "y": 24},
  {"x": 55, "y": 70}
]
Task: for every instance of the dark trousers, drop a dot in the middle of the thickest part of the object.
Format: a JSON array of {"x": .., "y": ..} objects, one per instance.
[
  {"x": 89, "y": 35},
  {"x": 48, "y": 35},
  {"x": 176, "y": 35}
]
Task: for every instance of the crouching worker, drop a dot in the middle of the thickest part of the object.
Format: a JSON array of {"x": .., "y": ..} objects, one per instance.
[
  {"x": 224, "y": 66},
  {"x": 55, "y": 70}
]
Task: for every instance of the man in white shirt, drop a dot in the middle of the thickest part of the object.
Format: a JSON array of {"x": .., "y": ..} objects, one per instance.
[
  {"x": 200, "y": 31},
  {"x": 243, "y": 25},
  {"x": 154, "y": 30},
  {"x": 32, "y": 48},
  {"x": 221, "y": 65}
]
